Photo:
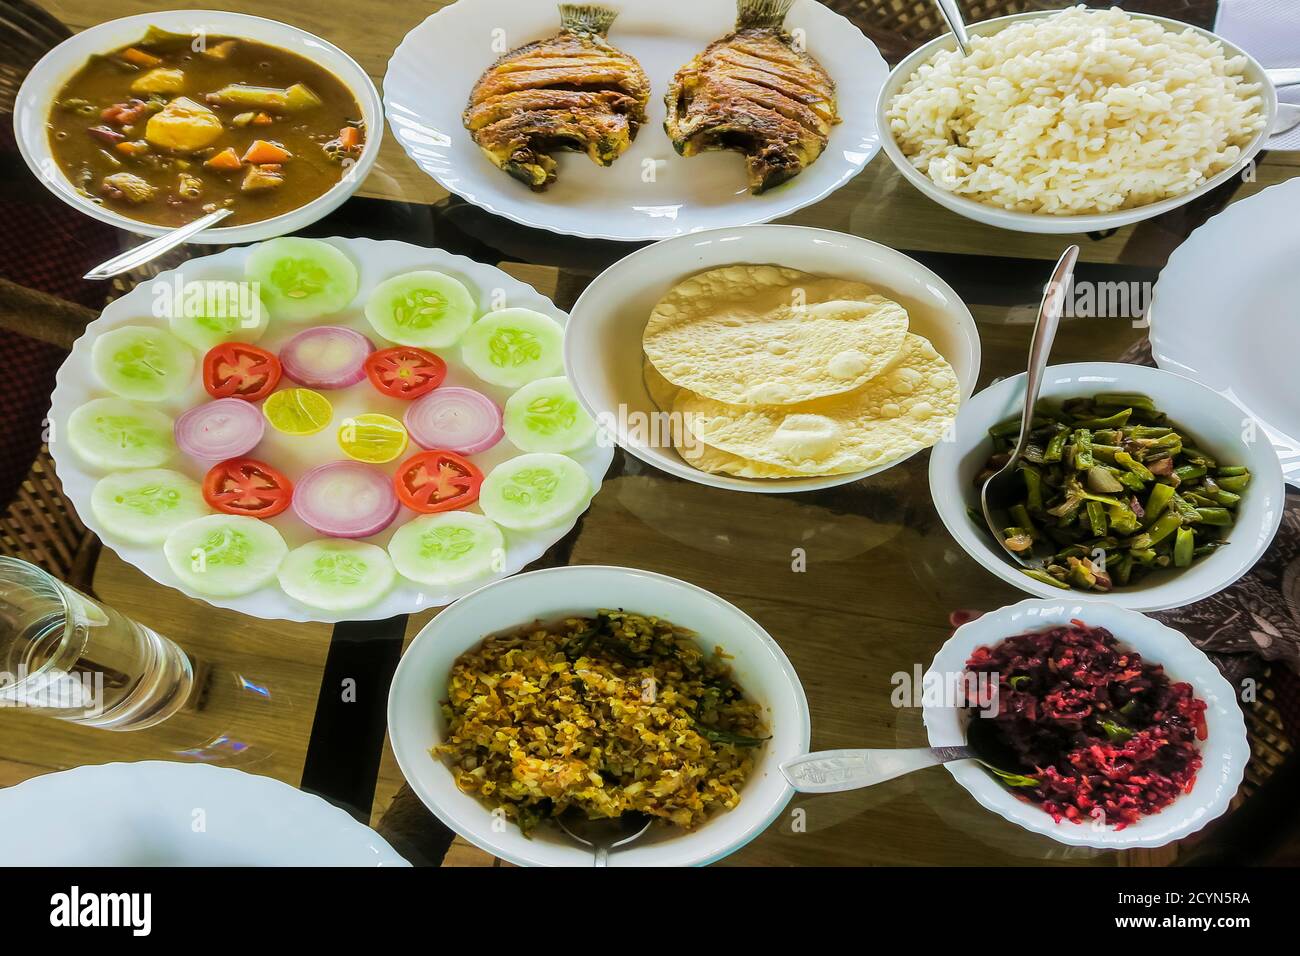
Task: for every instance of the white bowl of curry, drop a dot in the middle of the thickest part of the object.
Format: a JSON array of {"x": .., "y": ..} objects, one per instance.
[{"x": 150, "y": 121}]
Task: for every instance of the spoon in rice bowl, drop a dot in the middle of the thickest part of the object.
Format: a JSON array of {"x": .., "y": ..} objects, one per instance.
[{"x": 956, "y": 23}]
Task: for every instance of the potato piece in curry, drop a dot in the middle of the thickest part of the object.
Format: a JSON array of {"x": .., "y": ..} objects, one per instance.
[{"x": 170, "y": 128}]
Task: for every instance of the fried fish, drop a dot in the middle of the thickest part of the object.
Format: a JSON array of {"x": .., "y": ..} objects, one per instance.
[
  {"x": 755, "y": 91},
  {"x": 573, "y": 91}
]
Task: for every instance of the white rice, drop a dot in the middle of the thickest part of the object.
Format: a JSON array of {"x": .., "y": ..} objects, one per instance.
[{"x": 1087, "y": 111}]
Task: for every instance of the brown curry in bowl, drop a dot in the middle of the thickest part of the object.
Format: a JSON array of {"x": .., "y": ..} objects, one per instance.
[{"x": 175, "y": 126}]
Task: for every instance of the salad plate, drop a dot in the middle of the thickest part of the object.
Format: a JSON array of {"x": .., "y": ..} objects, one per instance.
[
  {"x": 649, "y": 192},
  {"x": 294, "y": 456}
]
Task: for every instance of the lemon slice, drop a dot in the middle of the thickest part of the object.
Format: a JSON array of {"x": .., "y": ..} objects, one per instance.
[
  {"x": 298, "y": 411},
  {"x": 372, "y": 438}
]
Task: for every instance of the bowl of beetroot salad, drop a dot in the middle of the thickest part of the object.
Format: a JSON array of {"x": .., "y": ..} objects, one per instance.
[
  {"x": 1132, "y": 736},
  {"x": 1107, "y": 734}
]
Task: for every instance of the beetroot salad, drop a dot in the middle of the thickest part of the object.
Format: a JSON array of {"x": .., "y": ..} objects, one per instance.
[{"x": 1106, "y": 734}]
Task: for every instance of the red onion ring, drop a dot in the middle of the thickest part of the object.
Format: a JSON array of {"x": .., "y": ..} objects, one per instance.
[
  {"x": 454, "y": 419},
  {"x": 346, "y": 499},
  {"x": 326, "y": 356},
  {"x": 218, "y": 430}
]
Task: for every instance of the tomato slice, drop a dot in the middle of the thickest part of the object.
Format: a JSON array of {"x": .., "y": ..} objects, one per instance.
[
  {"x": 405, "y": 372},
  {"x": 239, "y": 370},
  {"x": 436, "y": 481},
  {"x": 245, "y": 486}
]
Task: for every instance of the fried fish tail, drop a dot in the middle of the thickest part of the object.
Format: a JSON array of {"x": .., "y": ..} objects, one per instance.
[
  {"x": 754, "y": 92},
  {"x": 762, "y": 14},
  {"x": 587, "y": 18},
  {"x": 573, "y": 91}
]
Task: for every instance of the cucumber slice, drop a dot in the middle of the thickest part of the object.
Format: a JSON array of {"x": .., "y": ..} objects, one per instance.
[
  {"x": 112, "y": 434},
  {"x": 143, "y": 363},
  {"x": 534, "y": 491},
  {"x": 545, "y": 415},
  {"x": 448, "y": 548},
  {"x": 208, "y": 312},
  {"x": 302, "y": 278},
  {"x": 512, "y": 347},
  {"x": 425, "y": 309},
  {"x": 225, "y": 555},
  {"x": 337, "y": 575},
  {"x": 143, "y": 507}
]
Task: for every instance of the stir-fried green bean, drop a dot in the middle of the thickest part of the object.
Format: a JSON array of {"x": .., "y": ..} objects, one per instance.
[{"x": 1112, "y": 491}]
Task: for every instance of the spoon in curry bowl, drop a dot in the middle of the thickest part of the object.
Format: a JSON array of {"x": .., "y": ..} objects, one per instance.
[
  {"x": 147, "y": 252},
  {"x": 604, "y": 834}
]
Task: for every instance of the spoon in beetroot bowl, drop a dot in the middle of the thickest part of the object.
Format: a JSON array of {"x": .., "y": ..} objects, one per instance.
[{"x": 833, "y": 771}]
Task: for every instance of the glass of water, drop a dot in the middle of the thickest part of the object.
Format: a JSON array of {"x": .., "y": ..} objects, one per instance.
[{"x": 68, "y": 656}]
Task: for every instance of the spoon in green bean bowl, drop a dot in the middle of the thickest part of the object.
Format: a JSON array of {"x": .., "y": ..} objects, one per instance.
[{"x": 1001, "y": 490}]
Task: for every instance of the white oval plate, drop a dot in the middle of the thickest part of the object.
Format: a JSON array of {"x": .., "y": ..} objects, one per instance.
[
  {"x": 77, "y": 384},
  {"x": 1224, "y": 313},
  {"x": 430, "y": 76},
  {"x": 146, "y": 814},
  {"x": 604, "y": 356},
  {"x": 1224, "y": 753},
  {"x": 1215, "y": 424},
  {"x": 758, "y": 665}
]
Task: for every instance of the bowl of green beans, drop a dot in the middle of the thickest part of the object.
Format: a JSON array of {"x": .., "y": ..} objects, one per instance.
[{"x": 1139, "y": 486}]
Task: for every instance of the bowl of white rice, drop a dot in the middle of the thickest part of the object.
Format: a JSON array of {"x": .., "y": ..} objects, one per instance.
[{"x": 1076, "y": 120}]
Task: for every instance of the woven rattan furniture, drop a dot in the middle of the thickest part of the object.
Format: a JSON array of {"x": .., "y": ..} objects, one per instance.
[
  {"x": 38, "y": 523},
  {"x": 900, "y": 26}
]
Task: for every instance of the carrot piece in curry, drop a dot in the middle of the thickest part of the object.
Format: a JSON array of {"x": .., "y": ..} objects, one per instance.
[
  {"x": 227, "y": 159},
  {"x": 139, "y": 57},
  {"x": 263, "y": 152},
  {"x": 349, "y": 137}
]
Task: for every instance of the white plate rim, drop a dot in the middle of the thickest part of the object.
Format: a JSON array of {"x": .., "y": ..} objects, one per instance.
[
  {"x": 447, "y": 18},
  {"x": 320, "y": 815},
  {"x": 78, "y": 479},
  {"x": 1165, "y": 343}
]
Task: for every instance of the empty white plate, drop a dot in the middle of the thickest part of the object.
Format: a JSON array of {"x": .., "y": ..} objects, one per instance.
[
  {"x": 1226, "y": 312},
  {"x": 157, "y": 813}
]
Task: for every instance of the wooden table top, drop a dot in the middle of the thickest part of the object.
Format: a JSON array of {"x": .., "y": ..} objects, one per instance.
[{"x": 882, "y": 574}]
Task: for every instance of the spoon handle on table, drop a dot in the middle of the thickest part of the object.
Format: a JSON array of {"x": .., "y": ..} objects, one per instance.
[
  {"x": 1284, "y": 76},
  {"x": 134, "y": 258},
  {"x": 830, "y": 771}
]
